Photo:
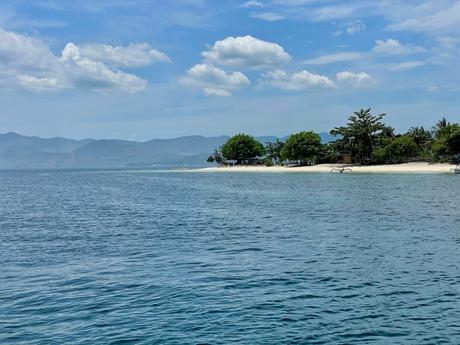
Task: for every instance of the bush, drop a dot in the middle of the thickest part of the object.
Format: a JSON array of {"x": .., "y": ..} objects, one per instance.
[
  {"x": 242, "y": 147},
  {"x": 400, "y": 150},
  {"x": 303, "y": 147}
]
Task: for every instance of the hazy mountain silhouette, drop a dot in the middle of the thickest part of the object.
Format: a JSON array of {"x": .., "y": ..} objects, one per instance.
[{"x": 18, "y": 151}]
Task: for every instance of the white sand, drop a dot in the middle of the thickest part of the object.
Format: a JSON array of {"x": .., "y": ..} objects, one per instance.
[{"x": 407, "y": 168}]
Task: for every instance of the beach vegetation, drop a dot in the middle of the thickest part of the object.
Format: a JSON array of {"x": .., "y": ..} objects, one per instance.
[
  {"x": 360, "y": 135},
  {"x": 242, "y": 148},
  {"x": 303, "y": 148},
  {"x": 365, "y": 139},
  {"x": 400, "y": 150}
]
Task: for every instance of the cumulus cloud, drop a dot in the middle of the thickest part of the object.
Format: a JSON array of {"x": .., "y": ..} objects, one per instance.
[
  {"x": 213, "y": 80},
  {"x": 246, "y": 51},
  {"x": 296, "y": 81},
  {"x": 28, "y": 63},
  {"x": 85, "y": 73},
  {"x": 41, "y": 84},
  {"x": 394, "y": 47},
  {"x": 134, "y": 55},
  {"x": 27, "y": 52},
  {"x": 355, "y": 79}
]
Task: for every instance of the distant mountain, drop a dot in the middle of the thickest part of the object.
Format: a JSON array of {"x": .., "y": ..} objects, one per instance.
[
  {"x": 17, "y": 151},
  {"x": 13, "y": 140}
]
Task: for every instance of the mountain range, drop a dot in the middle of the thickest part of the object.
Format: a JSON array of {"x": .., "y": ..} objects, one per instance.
[{"x": 24, "y": 152}]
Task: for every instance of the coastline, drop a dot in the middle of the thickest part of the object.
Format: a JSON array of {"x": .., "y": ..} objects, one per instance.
[{"x": 404, "y": 168}]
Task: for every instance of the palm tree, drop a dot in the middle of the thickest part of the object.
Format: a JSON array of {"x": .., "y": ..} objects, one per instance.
[{"x": 440, "y": 126}]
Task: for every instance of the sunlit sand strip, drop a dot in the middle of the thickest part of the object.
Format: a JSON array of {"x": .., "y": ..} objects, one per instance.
[{"x": 406, "y": 168}]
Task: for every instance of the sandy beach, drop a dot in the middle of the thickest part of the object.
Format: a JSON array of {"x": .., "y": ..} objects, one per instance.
[{"x": 406, "y": 168}]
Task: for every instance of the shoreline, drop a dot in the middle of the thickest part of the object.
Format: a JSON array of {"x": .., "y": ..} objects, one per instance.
[{"x": 404, "y": 168}]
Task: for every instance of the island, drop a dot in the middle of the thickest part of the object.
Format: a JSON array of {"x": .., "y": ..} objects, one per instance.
[{"x": 365, "y": 144}]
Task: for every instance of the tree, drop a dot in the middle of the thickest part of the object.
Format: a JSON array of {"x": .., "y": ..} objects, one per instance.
[
  {"x": 453, "y": 141},
  {"x": 273, "y": 150},
  {"x": 446, "y": 140},
  {"x": 360, "y": 134},
  {"x": 440, "y": 125},
  {"x": 303, "y": 147},
  {"x": 242, "y": 147},
  {"x": 420, "y": 135},
  {"x": 401, "y": 149}
]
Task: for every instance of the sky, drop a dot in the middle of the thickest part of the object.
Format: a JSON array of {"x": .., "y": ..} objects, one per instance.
[{"x": 158, "y": 69}]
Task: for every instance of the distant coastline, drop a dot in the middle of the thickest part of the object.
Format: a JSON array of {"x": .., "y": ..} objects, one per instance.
[{"x": 404, "y": 168}]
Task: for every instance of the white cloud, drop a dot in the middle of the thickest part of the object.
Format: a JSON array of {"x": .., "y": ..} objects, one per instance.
[
  {"x": 328, "y": 13},
  {"x": 297, "y": 81},
  {"x": 355, "y": 79},
  {"x": 89, "y": 74},
  {"x": 20, "y": 51},
  {"x": 394, "y": 47},
  {"x": 268, "y": 16},
  {"x": 293, "y": 2},
  {"x": 355, "y": 27},
  {"x": 209, "y": 91},
  {"x": 431, "y": 17},
  {"x": 337, "y": 57},
  {"x": 214, "y": 81},
  {"x": 41, "y": 84},
  {"x": 134, "y": 55},
  {"x": 252, "y": 3},
  {"x": 246, "y": 51},
  {"x": 402, "y": 66},
  {"x": 27, "y": 62}
]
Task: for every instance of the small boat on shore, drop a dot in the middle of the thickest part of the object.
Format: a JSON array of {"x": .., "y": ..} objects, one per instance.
[
  {"x": 341, "y": 170},
  {"x": 455, "y": 170}
]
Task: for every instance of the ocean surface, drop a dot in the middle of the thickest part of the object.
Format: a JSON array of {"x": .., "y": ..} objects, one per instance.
[{"x": 151, "y": 257}]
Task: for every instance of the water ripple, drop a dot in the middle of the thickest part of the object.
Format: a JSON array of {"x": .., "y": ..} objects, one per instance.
[{"x": 124, "y": 257}]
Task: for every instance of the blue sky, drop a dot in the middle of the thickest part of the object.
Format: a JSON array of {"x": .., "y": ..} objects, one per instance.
[{"x": 156, "y": 69}]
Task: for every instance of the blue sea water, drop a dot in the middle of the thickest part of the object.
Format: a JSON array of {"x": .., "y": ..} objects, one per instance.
[{"x": 149, "y": 257}]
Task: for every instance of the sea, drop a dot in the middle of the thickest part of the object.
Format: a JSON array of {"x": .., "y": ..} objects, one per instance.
[{"x": 165, "y": 257}]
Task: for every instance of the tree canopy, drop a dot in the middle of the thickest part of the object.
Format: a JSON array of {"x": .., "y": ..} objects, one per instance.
[
  {"x": 401, "y": 149},
  {"x": 242, "y": 147},
  {"x": 360, "y": 134},
  {"x": 303, "y": 147},
  {"x": 446, "y": 138}
]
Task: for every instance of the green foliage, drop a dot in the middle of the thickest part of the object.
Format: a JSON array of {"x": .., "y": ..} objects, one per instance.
[
  {"x": 365, "y": 137},
  {"x": 303, "y": 147},
  {"x": 360, "y": 135},
  {"x": 400, "y": 150},
  {"x": 420, "y": 135},
  {"x": 268, "y": 162},
  {"x": 242, "y": 147},
  {"x": 210, "y": 159},
  {"x": 453, "y": 141},
  {"x": 446, "y": 139}
]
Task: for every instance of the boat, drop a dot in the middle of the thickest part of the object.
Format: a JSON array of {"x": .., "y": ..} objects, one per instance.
[
  {"x": 341, "y": 170},
  {"x": 455, "y": 170}
]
